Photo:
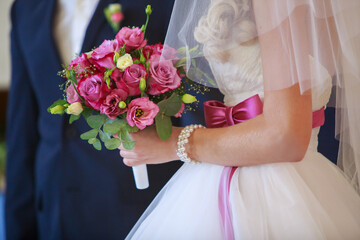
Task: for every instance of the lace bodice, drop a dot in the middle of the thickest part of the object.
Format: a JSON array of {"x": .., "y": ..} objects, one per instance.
[{"x": 240, "y": 77}]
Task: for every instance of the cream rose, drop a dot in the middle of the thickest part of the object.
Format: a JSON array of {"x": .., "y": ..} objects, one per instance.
[{"x": 124, "y": 61}]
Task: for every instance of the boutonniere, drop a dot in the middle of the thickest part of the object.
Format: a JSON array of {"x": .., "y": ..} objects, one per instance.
[{"x": 114, "y": 15}]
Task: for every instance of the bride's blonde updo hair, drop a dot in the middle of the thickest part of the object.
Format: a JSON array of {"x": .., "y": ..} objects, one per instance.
[{"x": 227, "y": 23}]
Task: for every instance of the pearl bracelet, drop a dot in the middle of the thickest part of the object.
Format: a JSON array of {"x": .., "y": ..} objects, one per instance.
[{"x": 183, "y": 139}]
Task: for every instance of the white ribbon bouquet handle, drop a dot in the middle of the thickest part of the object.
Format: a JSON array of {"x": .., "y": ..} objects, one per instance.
[{"x": 141, "y": 176}]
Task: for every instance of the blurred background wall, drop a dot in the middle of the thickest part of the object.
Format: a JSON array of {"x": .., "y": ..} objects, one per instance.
[
  {"x": 4, "y": 87},
  {"x": 4, "y": 76}
]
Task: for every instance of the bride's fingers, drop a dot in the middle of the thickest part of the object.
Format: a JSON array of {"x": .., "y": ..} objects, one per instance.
[
  {"x": 129, "y": 154},
  {"x": 130, "y": 162}
]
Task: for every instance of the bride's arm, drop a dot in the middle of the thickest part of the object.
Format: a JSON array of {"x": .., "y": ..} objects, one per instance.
[{"x": 281, "y": 133}]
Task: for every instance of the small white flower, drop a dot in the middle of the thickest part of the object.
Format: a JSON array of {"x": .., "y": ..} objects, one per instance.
[
  {"x": 124, "y": 61},
  {"x": 88, "y": 54}
]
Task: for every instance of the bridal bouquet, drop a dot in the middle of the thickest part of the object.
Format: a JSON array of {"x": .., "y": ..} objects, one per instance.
[{"x": 123, "y": 86}]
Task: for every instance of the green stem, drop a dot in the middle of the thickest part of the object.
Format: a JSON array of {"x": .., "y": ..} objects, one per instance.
[
  {"x": 146, "y": 23},
  {"x": 77, "y": 91}
]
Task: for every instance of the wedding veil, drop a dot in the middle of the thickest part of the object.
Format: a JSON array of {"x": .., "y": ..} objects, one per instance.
[{"x": 324, "y": 32}]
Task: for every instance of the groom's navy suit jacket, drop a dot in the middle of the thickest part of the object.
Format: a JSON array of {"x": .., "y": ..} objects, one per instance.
[{"x": 58, "y": 186}]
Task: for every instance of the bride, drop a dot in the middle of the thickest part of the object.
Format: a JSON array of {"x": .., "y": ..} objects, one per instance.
[{"x": 259, "y": 174}]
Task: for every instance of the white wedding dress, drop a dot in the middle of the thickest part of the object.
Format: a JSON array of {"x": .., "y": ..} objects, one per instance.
[{"x": 310, "y": 199}]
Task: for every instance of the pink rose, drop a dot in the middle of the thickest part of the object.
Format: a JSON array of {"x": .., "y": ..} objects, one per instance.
[
  {"x": 169, "y": 53},
  {"x": 117, "y": 75},
  {"x": 93, "y": 89},
  {"x": 117, "y": 17},
  {"x": 81, "y": 65},
  {"x": 133, "y": 38},
  {"x": 163, "y": 76},
  {"x": 71, "y": 95},
  {"x": 103, "y": 55},
  {"x": 149, "y": 50},
  {"x": 141, "y": 112},
  {"x": 110, "y": 106},
  {"x": 180, "y": 111},
  {"x": 132, "y": 76},
  {"x": 122, "y": 85}
]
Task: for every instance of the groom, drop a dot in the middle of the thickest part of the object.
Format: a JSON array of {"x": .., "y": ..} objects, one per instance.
[{"x": 58, "y": 186}]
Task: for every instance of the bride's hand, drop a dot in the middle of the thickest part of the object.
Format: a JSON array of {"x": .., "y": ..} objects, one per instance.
[{"x": 150, "y": 149}]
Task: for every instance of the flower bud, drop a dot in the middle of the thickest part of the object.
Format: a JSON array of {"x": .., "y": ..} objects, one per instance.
[
  {"x": 148, "y": 10},
  {"x": 59, "y": 109},
  {"x": 142, "y": 85},
  {"x": 115, "y": 7},
  {"x": 116, "y": 57},
  {"x": 187, "y": 98},
  {"x": 75, "y": 108},
  {"x": 142, "y": 58},
  {"x": 122, "y": 105},
  {"x": 68, "y": 75}
]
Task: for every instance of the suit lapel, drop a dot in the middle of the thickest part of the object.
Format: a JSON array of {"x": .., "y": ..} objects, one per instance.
[
  {"x": 96, "y": 23},
  {"x": 49, "y": 32}
]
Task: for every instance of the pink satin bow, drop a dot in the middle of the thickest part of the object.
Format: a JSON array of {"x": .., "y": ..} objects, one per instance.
[{"x": 219, "y": 115}]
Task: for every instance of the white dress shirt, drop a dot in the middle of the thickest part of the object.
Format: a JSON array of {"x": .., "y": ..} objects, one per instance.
[{"x": 72, "y": 18}]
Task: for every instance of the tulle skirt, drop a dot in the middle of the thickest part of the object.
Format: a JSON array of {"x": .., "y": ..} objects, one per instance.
[{"x": 310, "y": 199}]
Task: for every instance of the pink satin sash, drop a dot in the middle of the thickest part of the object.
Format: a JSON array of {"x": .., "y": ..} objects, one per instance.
[{"x": 219, "y": 115}]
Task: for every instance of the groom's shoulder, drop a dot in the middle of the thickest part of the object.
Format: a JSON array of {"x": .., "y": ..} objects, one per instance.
[
  {"x": 27, "y": 5},
  {"x": 25, "y": 9}
]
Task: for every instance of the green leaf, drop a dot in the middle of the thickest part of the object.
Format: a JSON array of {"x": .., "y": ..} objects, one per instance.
[
  {"x": 107, "y": 13},
  {"x": 125, "y": 136},
  {"x": 92, "y": 140},
  {"x": 130, "y": 129},
  {"x": 108, "y": 81},
  {"x": 170, "y": 106},
  {"x": 89, "y": 134},
  {"x": 193, "y": 62},
  {"x": 126, "y": 139},
  {"x": 73, "y": 77},
  {"x": 129, "y": 145},
  {"x": 112, "y": 143},
  {"x": 104, "y": 136},
  {"x": 74, "y": 118},
  {"x": 180, "y": 63},
  {"x": 58, "y": 102},
  {"x": 163, "y": 126},
  {"x": 114, "y": 127},
  {"x": 86, "y": 112},
  {"x": 96, "y": 121},
  {"x": 97, "y": 145}
]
